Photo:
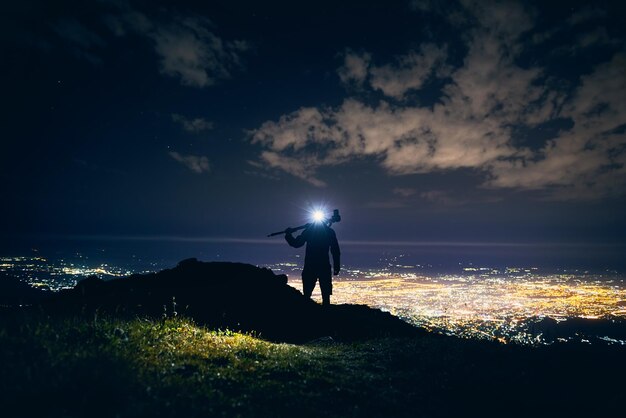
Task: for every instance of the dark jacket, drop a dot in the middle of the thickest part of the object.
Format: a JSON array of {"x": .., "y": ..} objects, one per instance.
[{"x": 319, "y": 239}]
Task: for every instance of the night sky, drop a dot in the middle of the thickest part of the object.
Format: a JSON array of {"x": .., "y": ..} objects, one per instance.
[{"x": 447, "y": 121}]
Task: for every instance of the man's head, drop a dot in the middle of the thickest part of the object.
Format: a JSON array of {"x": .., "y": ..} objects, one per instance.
[{"x": 318, "y": 216}]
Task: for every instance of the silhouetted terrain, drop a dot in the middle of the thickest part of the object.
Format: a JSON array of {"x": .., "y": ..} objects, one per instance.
[
  {"x": 16, "y": 292},
  {"x": 231, "y": 296},
  {"x": 149, "y": 345}
]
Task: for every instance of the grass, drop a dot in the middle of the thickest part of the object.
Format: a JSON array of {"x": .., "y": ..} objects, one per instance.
[{"x": 72, "y": 366}]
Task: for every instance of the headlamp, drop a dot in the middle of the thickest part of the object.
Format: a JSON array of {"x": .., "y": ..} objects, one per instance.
[{"x": 317, "y": 216}]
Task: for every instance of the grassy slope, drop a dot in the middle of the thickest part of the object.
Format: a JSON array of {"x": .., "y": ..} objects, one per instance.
[{"x": 110, "y": 367}]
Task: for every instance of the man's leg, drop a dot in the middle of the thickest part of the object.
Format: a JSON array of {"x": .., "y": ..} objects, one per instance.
[
  {"x": 326, "y": 285},
  {"x": 308, "y": 283},
  {"x": 326, "y": 300}
]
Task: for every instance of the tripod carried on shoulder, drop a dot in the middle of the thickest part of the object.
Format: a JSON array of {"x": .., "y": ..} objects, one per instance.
[{"x": 328, "y": 221}]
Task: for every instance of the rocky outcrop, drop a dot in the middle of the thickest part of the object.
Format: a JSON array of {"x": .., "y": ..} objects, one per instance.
[
  {"x": 228, "y": 295},
  {"x": 13, "y": 292}
]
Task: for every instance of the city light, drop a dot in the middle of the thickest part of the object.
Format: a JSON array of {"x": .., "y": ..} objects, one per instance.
[{"x": 509, "y": 305}]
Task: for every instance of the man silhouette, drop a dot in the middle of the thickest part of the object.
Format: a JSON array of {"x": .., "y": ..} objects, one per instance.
[{"x": 319, "y": 238}]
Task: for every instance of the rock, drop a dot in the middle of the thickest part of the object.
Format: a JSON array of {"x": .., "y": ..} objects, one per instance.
[
  {"x": 13, "y": 291},
  {"x": 222, "y": 295},
  {"x": 89, "y": 285}
]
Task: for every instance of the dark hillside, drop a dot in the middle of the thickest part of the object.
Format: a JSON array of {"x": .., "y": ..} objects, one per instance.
[
  {"x": 227, "y": 295},
  {"x": 147, "y": 345},
  {"x": 13, "y": 291}
]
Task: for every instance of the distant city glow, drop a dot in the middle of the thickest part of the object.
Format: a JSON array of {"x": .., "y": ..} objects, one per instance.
[
  {"x": 62, "y": 274},
  {"x": 513, "y": 304},
  {"x": 503, "y": 305}
]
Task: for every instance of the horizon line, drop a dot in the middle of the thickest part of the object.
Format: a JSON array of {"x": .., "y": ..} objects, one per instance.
[{"x": 370, "y": 243}]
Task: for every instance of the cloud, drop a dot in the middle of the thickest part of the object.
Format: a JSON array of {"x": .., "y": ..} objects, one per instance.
[
  {"x": 403, "y": 139},
  {"x": 450, "y": 10},
  {"x": 193, "y": 126},
  {"x": 422, "y": 5},
  {"x": 196, "y": 163},
  {"x": 406, "y": 197},
  {"x": 355, "y": 68},
  {"x": 484, "y": 101},
  {"x": 470, "y": 129},
  {"x": 188, "y": 50},
  {"x": 401, "y": 199},
  {"x": 404, "y": 191},
  {"x": 598, "y": 36},
  {"x": 588, "y": 160},
  {"x": 441, "y": 198},
  {"x": 386, "y": 204},
  {"x": 85, "y": 43},
  {"x": 303, "y": 167},
  {"x": 572, "y": 28},
  {"x": 409, "y": 72},
  {"x": 586, "y": 14},
  {"x": 187, "y": 46},
  {"x": 74, "y": 31}
]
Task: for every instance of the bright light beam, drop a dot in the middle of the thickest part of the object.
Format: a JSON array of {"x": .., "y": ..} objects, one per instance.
[{"x": 318, "y": 216}]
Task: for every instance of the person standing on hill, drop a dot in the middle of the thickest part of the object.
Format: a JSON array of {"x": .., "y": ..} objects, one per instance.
[{"x": 319, "y": 239}]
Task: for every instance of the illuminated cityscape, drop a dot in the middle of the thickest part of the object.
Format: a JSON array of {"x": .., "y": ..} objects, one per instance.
[
  {"x": 510, "y": 305},
  {"x": 61, "y": 274},
  {"x": 516, "y": 305}
]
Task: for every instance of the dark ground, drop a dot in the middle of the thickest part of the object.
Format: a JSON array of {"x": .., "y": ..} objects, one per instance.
[{"x": 147, "y": 346}]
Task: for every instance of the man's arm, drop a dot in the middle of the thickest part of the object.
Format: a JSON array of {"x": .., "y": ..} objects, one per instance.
[
  {"x": 295, "y": 242},
  {"x": 334, "y": 250}
]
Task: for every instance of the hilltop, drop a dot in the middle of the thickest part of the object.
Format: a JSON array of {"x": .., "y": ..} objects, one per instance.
[
  {"x": 222, "y": 295},
  {"x": 185, "y": 342},
  {"x": 16, "y": 292}
]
